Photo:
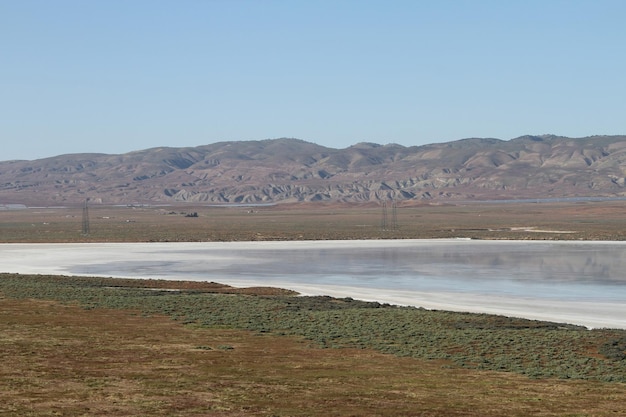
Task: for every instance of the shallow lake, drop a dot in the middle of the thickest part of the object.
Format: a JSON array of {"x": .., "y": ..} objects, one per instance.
[{"x": 576, "y": 282}]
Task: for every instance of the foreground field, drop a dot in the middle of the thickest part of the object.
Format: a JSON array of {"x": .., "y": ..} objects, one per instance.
[
  {"x": 565, "y": 220},
  {"x": 75, "y": 346}
]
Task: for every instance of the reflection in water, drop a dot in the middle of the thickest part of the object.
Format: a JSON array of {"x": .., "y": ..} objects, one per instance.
[
  {"x": 567, "y": 270},
  {"x": 574, "y": 282}
]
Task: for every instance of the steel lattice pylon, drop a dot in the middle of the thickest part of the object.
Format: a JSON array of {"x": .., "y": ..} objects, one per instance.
[{"x": 85, "y": 219}]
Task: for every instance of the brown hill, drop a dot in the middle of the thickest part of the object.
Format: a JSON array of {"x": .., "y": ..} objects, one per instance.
[{"x": 291, "y": 170}]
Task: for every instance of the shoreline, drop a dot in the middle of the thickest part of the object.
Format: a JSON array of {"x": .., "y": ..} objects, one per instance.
[
  {"x": 519, "y": 307},
  {"x": 152, "y": 263}
]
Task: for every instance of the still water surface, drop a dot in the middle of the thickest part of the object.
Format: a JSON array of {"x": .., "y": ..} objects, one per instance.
[{"x": 583, "y": 282}]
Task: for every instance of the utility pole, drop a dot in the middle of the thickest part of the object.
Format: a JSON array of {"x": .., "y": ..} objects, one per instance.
[{"x": 85, "y": 219}]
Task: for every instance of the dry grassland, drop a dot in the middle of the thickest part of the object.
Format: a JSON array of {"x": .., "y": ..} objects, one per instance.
[
  {"x": 585, "y": 220},
  {"x": 63, "y": 360}
]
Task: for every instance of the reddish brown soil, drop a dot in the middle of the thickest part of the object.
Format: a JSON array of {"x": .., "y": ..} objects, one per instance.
[{"x": 63, "y": 360}]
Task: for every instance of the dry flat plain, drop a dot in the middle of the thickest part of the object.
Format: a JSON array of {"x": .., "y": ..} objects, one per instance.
[
  {"x": 63, "y": 352},
  {"x": 564, "y": 220}
]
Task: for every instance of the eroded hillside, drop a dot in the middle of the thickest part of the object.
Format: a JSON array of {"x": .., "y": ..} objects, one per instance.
[{"x": 291, "y": 170}]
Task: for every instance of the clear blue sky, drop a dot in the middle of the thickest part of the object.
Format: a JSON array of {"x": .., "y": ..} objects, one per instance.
[{"x": 114, "y": 76}]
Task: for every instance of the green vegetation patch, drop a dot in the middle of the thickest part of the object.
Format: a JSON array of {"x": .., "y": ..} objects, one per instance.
[{"x": 476, "y": 341}]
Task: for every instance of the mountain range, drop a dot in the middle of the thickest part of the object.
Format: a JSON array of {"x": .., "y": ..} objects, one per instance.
[{"x": 293, "y": 170}]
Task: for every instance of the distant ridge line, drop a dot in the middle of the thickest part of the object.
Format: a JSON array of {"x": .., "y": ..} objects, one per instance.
[{"x": 273, "y": 171}]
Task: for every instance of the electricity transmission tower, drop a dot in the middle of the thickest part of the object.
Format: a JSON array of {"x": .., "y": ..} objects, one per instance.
[
  {"x": 85, "y": 219},
  {"x": 384, "y": 224}
]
